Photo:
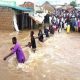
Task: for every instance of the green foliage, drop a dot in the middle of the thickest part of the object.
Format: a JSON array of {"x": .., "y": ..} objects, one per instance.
[{"x": 73, "y": 3}]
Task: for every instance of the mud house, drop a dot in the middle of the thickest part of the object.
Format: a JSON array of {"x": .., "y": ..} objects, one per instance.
[
  {"x": 14, "y": 17},
  {"x": 36, "y": 15},
  {"x": 32, "y": 22},
  {"x": 29, "y": 5}
]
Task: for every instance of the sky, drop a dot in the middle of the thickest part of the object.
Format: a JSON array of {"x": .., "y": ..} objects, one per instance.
[{"x": 39, "y": 2}]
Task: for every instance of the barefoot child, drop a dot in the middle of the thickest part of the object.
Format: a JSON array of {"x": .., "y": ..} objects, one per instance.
[{"x": 16, "y": 49}]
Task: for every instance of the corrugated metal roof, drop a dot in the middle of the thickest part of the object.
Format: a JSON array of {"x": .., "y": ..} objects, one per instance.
[{"x": 17, "y": 8}]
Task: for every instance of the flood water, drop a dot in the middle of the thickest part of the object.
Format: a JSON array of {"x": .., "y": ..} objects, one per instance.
[{"x": 58, "y": 58}]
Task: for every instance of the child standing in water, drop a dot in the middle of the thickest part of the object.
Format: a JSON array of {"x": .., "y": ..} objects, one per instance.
[
  {"x": 40, "y": 35},
  {"x": 46, "y": 31},
  {"x": 16, "y": 49},
  {"x": 33, "y": 42},
  {"x": 51, "y": 29}
]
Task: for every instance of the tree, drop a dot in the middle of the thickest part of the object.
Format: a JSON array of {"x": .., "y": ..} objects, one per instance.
[{"x": 73, "y": 3}]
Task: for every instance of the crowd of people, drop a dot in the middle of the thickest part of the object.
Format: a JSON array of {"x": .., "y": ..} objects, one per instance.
[
  {"x": 70, "y": 21},
  {"x": 32, "y": 44},
  {"x": 63, "y": 19}
]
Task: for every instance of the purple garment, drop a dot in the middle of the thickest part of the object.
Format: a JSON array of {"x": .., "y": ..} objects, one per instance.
[{"x": 19, "y": 53}]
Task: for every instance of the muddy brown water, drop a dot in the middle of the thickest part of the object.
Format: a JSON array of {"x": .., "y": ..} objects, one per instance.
[{"x": 58, "y": 58}]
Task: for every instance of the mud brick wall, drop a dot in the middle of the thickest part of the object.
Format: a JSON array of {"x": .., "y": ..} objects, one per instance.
[{"x": 6, "y": 19}]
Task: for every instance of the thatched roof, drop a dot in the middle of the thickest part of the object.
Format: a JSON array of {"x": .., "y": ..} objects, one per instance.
[
  {"x": 28, "y": 5},
  {"x": 48, "y": 6},
  {"x": 67, "y": 7}
]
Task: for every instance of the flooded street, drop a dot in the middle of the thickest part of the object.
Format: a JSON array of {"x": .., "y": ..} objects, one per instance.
[{"x": 58, "y": 58}]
